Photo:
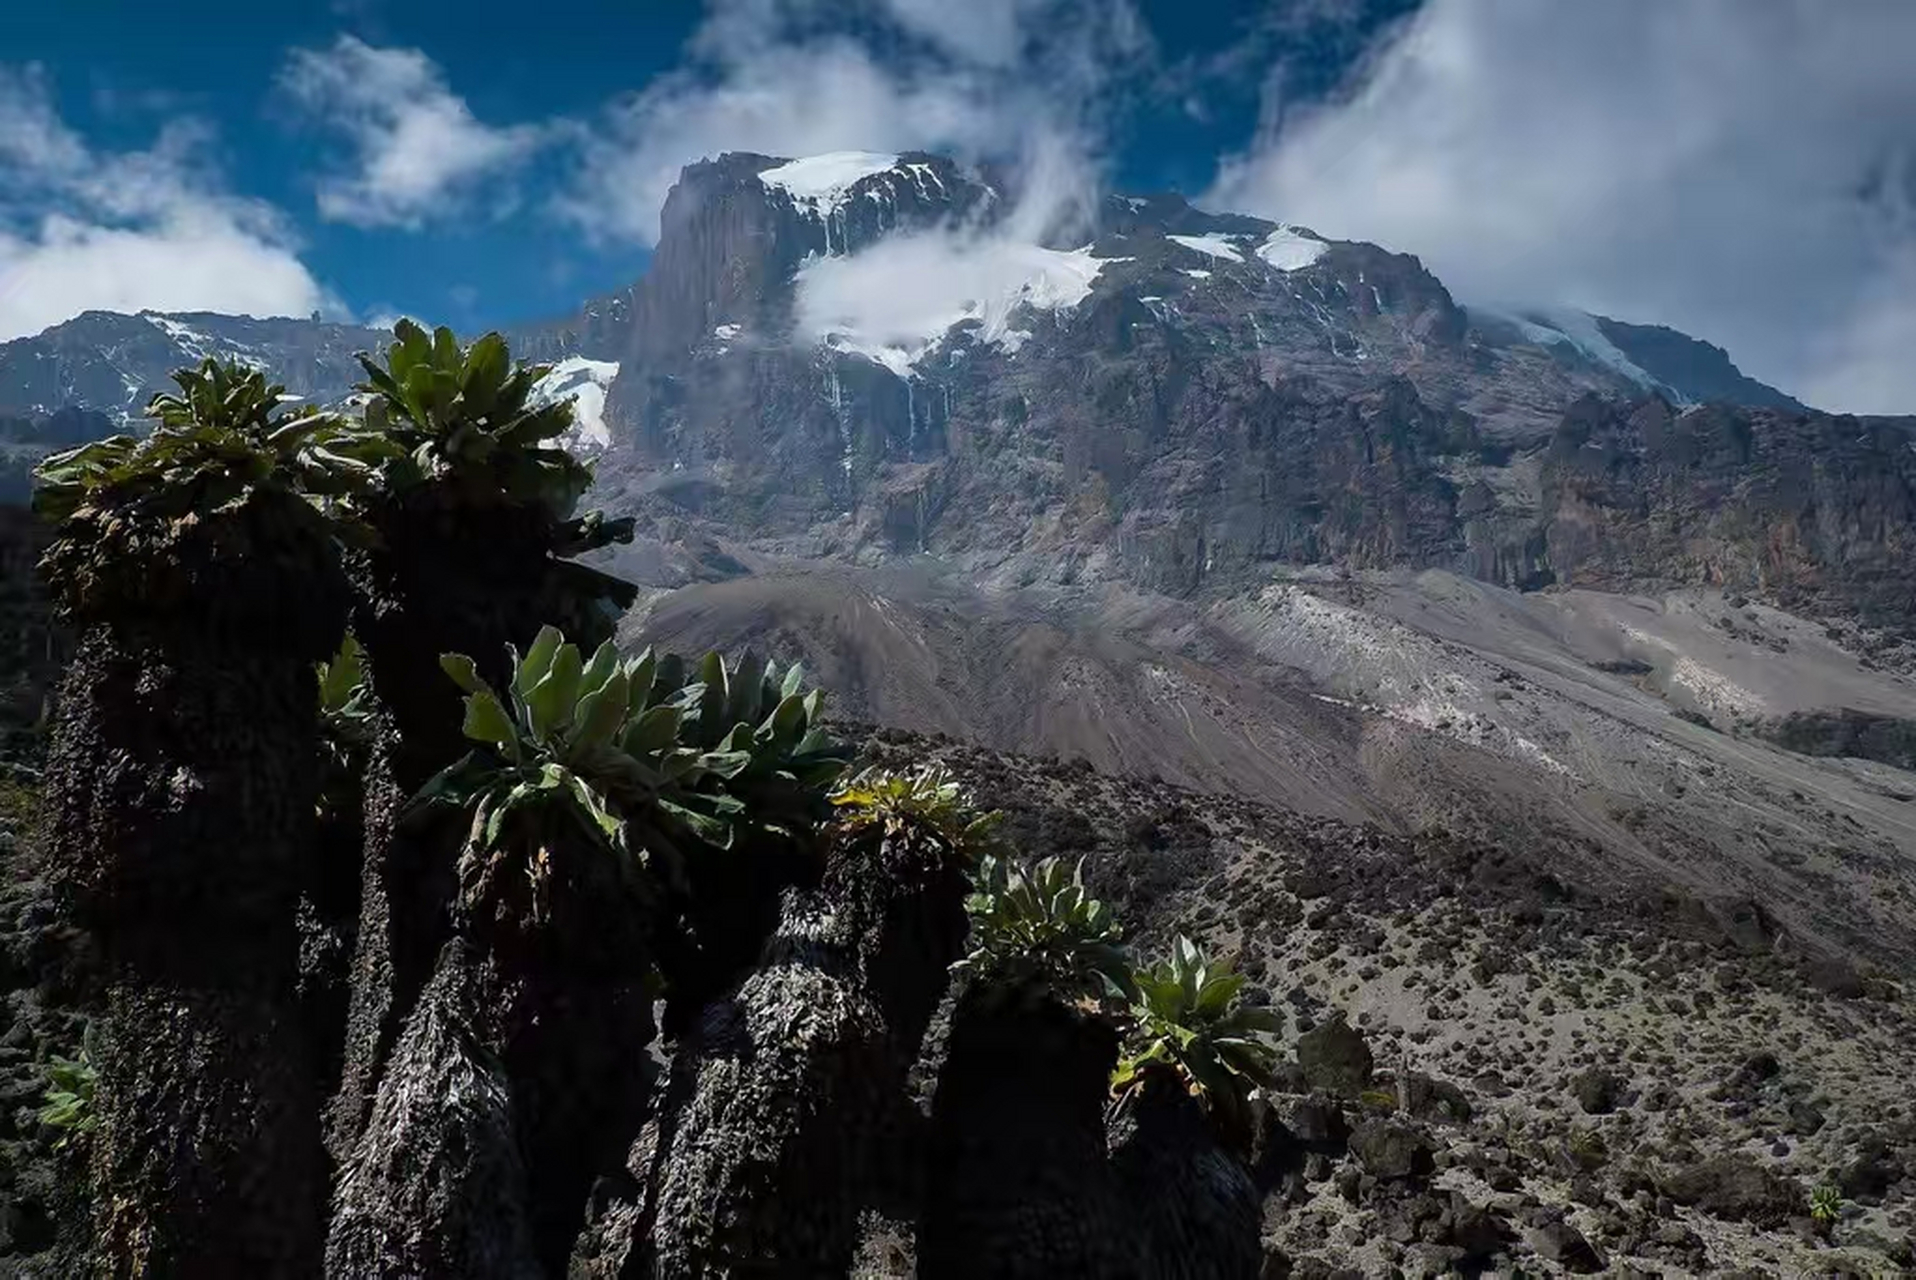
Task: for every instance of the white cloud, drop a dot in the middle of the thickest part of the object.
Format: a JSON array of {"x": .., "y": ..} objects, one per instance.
[
  {"x": 1738, "y": 169},
  {"x": 957, "y": 273},
  {"x": 796, "y": 77},
  {"x": 417, "y": 149},
  {"x": 125, "y": 231},
  {"x": 989, "y": 32}
]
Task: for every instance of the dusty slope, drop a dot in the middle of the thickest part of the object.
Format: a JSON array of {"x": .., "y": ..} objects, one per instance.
[{"x": 1414, "y": 701}]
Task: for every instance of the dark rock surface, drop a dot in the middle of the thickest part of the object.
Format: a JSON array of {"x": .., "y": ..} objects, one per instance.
[
  {"x": 1335, "y": 1057},
  {"x": 1736, "y": 1187}
]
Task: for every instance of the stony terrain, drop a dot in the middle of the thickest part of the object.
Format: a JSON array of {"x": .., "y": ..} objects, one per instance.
[{"x": 1498, "y": 1064}]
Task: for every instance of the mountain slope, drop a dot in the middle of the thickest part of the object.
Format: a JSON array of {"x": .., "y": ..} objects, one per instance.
[{"x": 1620, "y": 737}]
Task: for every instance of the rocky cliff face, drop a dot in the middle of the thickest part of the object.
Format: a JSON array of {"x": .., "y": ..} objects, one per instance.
[{"x": 1182, "y": 400}]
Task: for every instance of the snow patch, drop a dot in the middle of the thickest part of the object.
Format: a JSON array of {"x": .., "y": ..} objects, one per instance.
[
  {"x": 823, "y": 181},
  {"x": 584, "y": 382},
  {"x": 1290, "y": 250},
  {"x": 1216, "y": 246},
  {"x": 185, "y": 335},
  {"x": 727, "y": 332},
  {"x": 199, "y": 346},
  {"x": 1580, "y": 330},
  {"x": 1196, "y": 274}
]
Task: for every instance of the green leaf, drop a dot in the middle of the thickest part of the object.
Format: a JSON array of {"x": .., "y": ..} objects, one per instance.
[
  {"x": 463, "y": 670},
  {"x": 487, "y": 721},
  {"x": 747, "y": 690},
  {"x": 726, "y": 764},
  {"x": 538, "y": 659},
  {"x": 605, "y": 660},
  {"x": 487, "y": 364},
  {"x": 413, "y": 347},
  {"x": 1216, "y": 995},
  {"x": 553, "y": 699},
  {"x": 345, "y": 673},
  {"x": 601, "y": 713},
  {"x": 445, "y": 351},
  {"x": 653, "y": 731},
  {"x": 715, "y": 699},
  {"x": 710, "y": 830}
]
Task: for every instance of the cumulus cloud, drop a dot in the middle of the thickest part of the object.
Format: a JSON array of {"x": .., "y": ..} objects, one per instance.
[
  {"x": 416, "y": 149},
  {"x": 1739, "y": 169},
  {"x": 82, "y": 229},
  {"x": 799, "y": 77}
]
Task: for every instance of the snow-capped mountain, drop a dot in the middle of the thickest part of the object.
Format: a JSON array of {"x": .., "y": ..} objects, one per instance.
[
  {"x": 105, "y": 366},
  {"x": 113, "y": 364},
  {"x": 884, "y": 353}
]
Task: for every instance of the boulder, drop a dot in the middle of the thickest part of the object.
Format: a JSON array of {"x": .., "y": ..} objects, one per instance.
[
  {"x": 1335, "y": 1057},
  {"x": 1320, "y": 1125},
  {"x": 1737, "y": 1188},
  {"x": 1596, "y": 1091},
  {"x": 1563, "y": 1244},
  {"x": 1390, "y": 1149},
  {"x": 1874, "y": 1170},
  {"x": 1805, "y": 1119}
]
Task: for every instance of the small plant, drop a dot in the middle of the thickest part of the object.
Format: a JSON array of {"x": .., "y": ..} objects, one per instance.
[
  {"x": 928, "y": 798},
  {"x": 345, "y": 722},
  {"x": 1188, "y": 1018},
  {"x": 1826, "y": 1204},
  {"x": 69, "y": 1095},
  {"x": 1039, "y": 925},
  {"x": 1588, "y": 1149}
]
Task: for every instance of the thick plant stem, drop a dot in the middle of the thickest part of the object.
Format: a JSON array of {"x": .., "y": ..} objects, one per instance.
[
  {"x": 1018, "y": 1183},
  {"x": 447, "y": 579},
  {"x": 184, "y": 781},
  {"x": 1193, "y": 1202},
  {"x": 520, "y": 1076},
  {"x": 787, "y": 1100}
]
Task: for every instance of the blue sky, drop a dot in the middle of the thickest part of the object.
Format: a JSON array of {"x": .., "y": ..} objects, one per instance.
[
  {"x": 502, "y": 247},
  {"x": 1744, "y": 170}
]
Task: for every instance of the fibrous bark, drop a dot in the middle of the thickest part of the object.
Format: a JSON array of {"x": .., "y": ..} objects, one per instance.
[
  {"x": 446, "y": 578},
  {"x": 1193, "y": 1204},
  {"x": 183, "y": 779},
  {"x": 787, "y": 1100},
  {"x": 1018, "y": 1182},
  {"x": 539, "y": 1008},
  {"x": 437, "y": 1187}
]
